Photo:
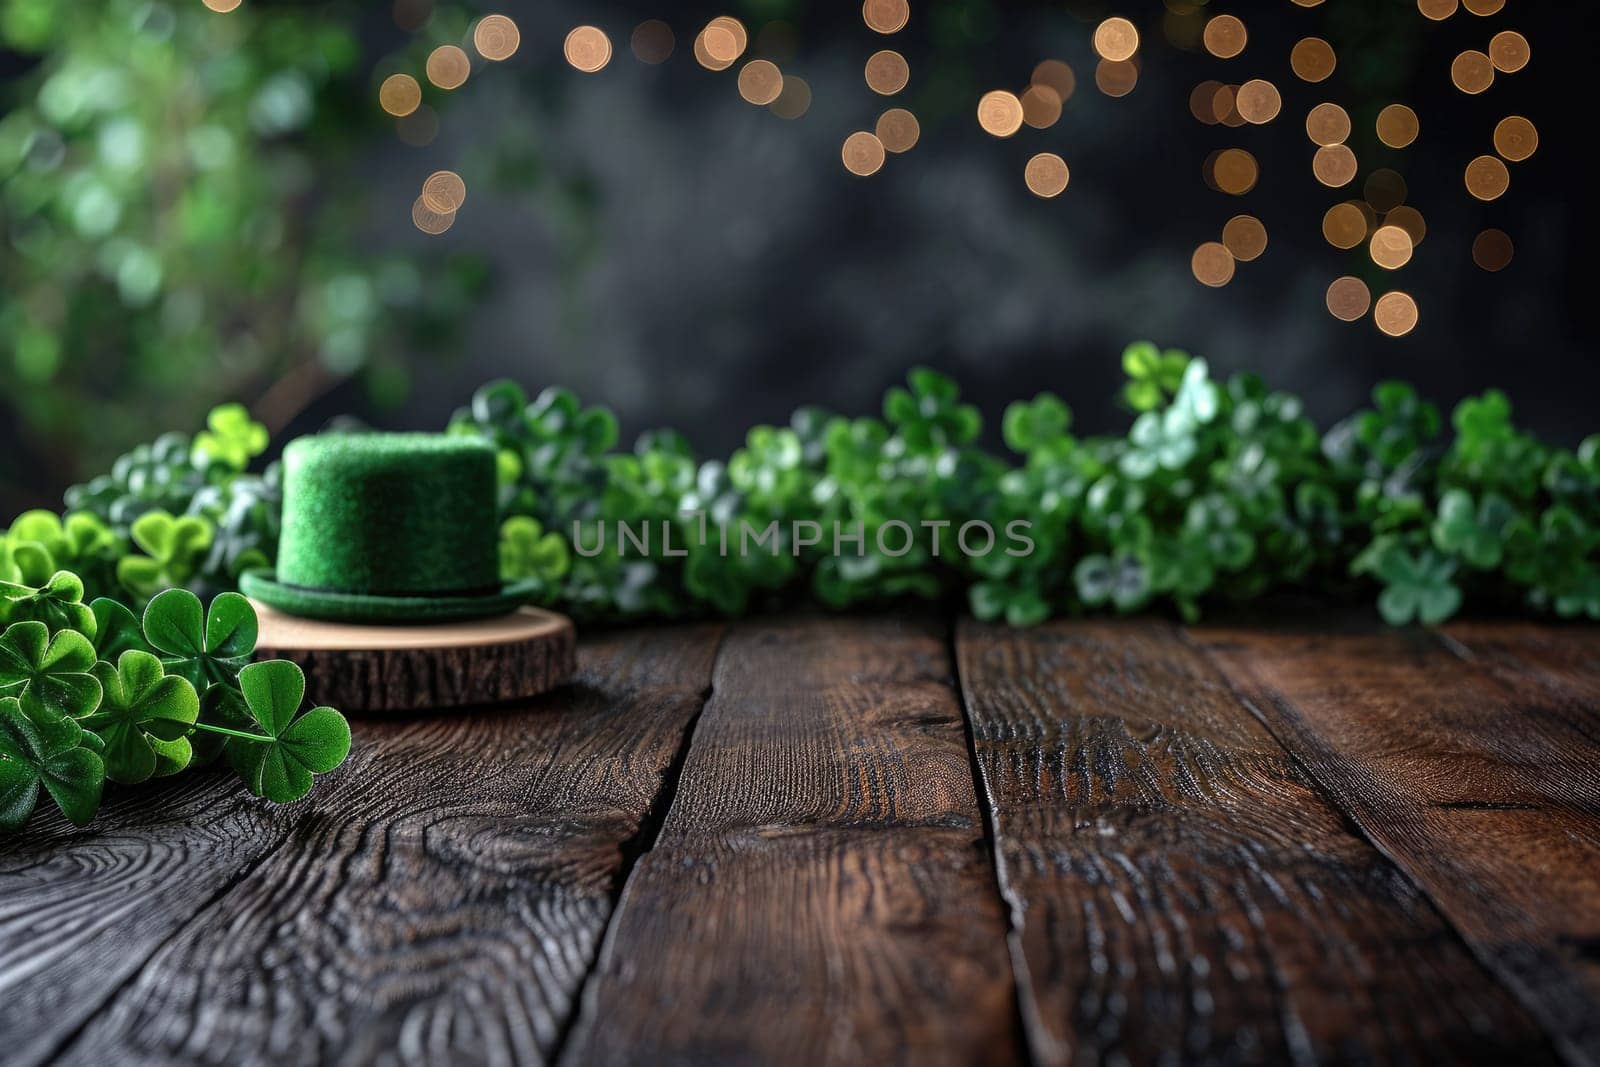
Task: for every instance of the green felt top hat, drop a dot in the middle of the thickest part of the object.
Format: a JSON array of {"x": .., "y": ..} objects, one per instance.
[{"x": 387, "y": 528}]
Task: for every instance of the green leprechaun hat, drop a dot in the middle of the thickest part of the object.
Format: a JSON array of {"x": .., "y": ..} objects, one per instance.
[{"x": 387, "y": 528}]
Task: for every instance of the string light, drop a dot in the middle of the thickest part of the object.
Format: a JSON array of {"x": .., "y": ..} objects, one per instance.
[
  {"x": 760, "y": 82},
  {"x": 1395, "y": 314},
  {"x": 1515, "y": 138},
  {"x": 862, "y": 153},
  {"x": 448, "y": 67},
  {"x": 1348, "y": 299},
  {"x": 400, "y": 95},
  {"x": 496, "y": 38},
  {"x": 1000, "y": 113},
  {"x": 1046, "y": 175},
  {"x": 887, "y": 72},
  {"x": 898, "y": 129}
]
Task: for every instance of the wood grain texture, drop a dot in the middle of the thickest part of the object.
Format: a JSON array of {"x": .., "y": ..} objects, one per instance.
[
  {"x": 424, "y": 668},
  {"x": 1179, "y": 887},
  {"x": 443, "y": 905},
  {"x": 1484, "y": 789},
  {"x": 820, "y": 891}
]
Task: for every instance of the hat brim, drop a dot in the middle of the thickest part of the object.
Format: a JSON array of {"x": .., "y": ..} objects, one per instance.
[{"x": 262, "y": 584}]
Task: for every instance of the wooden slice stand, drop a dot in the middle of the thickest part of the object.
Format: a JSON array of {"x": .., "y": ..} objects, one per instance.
[{"x": 423, "y": 667}]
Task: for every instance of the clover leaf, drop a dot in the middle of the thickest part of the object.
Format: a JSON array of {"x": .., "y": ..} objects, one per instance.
[
  {"x": 1037, "y": 424},
  {"x": 929, "y": 415},
  {"x": 48, "y": 675},
  {"x": 1417, "y": 585},
  {"x": 1153, "y": 375},
  {"x": 205, "y": 648},
  {"x": 58, "y": 603},
  {"x": 116, "y": 629},
  {"x": 143, "y": 708},
  {"x": 526, "y": 551},
  {"x": 49, "y": 754},
  {"x": 174, "y": 550},
  {"x": 1478, "y": 534},
  {"x": 1123, "y": 581},
  {"x": 279, "y": 765},
  {"x": 231, "y": 438}
]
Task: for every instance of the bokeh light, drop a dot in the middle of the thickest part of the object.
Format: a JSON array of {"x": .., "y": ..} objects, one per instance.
[
  {"x": 898, "y": 129},
  {"x": 1384, "y": 189},
  {"x": 1472, "y": 72},
  {"x": 1046, "y": 175},
  {"x": 1116, "y": 39},
  {"x": 1057, "y": 75},
  {"x": 653, "y": 42},
  {"x": 448, "y": 67},
  {"x": 1234, "y": 171},
  {"x": 1410, "y": 220},
  {"x": 430, "y": 221},
  {"x": 1334, "y": 165},
  {"x": 444, "y": 192},
  {"x": 1224, "y": 36},
  {"x": 588, "y": 49},
  {"x": 1312, "y": 59},
  {"x": 222, "y": 7},
  {"x": 400, "y": 95},
  {"x": 1245, "y": 237},
  {"x": 1041, "y": 106},
  {"x": 1437, "y": 9},
  {"x": 1212, "y": 264},
  {"x": 1398, "y": 126},
  {"x": 496, "y": 38},
  {"x": 886, "y": 16},
  {"x": 1515, "y": 138},
  {"x": 1395, "y": 314},
  {"x": 863, "y": 153},
  {"x": 1492, "y": 250},
  {"x": 1509, "y": 51},
  {"x": 887, "y": 72},
  {"x": 1487, "y": 178},
  {"x": 1116, "y": 78},
  {"x": 795, "y": 99},
  {"x": 1258, "y": 101},
  {"x": 1327, "y": 124},
  {"x": 1344, "y": 225},
  {"x": 760, "y": 82},
  {"x": 1000, "y": 113},
  {"x": 1483, "y": 7},
  {"x": 1390, "y": 247},
  {"x": 1348, "y": 299}
]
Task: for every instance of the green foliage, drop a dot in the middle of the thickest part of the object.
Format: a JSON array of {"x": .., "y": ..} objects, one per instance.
[
  {"x": 143, "y": 701},
  {"x": 175, "y": 202},
  {"x": 301, "y": 745},
  {"x": 529, "y": 554},
  {"x": 174, "y": 547}
]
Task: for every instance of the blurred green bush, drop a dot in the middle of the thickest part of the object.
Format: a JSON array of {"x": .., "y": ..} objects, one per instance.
[{"x": 182, "y": 220}]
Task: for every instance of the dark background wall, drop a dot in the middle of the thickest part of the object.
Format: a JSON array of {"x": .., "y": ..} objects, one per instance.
[{"x": 663, "y": 247}]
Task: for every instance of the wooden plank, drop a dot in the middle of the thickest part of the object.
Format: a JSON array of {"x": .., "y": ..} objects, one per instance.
[
  {"x": 820, "y": 892},
  {"x": 1486, "y": 793},
  {"x": 445, "y": 903},
  {"x": 81, "y": 910},
  {"x": 1180, "y": 888},
  {"x": 1561, "y": 663}
]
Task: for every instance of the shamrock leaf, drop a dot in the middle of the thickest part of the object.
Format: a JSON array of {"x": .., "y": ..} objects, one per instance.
[
  {"x": 231, "y": 438},
  {"x": 1417, "y": 586},
  {"x": 48, "y": 754},
  {"x": 929, "y": 416},
  {"x": 1478, "y": 534},
  {"x": 56, "y": 544},
  {"x": 144, "y": 718},
  {"x": 48, "y": 675},
  {"x": 1123, "y": 581},
  {"x": 116, "y": 629},
  {"x": 1153, "y": 375},
  {"x": 279, "y": 766},
  {"x": 174, "y": 547},
  {"x": 58, "y": 603},
  {"x": 205, "y": 648},
  {"x": 1037, "y": 424},
  {"x": 526, "y": 551}
]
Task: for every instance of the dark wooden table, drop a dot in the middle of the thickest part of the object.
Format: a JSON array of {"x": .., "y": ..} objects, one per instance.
[{"x": 882, "y": 840}]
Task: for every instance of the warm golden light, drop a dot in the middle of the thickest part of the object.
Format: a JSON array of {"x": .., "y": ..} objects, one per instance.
[
  {"x": 1397, "y": 126},
  {"x": 1348, "y": 298},
  {"x": 496, "y": 38},
  {"x": 1224, "y": 36},
  {"x": 1258, "y": 101},
  {"x": 1245, "y": 237},
  {"x": 444, "y": 192},
  {"x": 1000, "y": 113},
  {"x": 795, "y": 99},
  {"x": 1046, "y": 175},
  {"x": 1334, "y": 165},
  {"x": 760, "y": 82},
  {"x": 1344, "y": 226},
  {"x": 1055, "y": 74},
  {"x": 419, "y": 128},
  {"x": 1483, "y": 7},
  {"x": 1390, "y": 247},
  {"x": 588, "y": 49},
  {"x": 1492, "y": 250},
  {"x": 887, "y": 72},
  {"x": 222, "y": 7},
  {"x": 886, "y": 16},
  {"x": 1116, "y": 78},
  {"x": 898, "y": 129},
  {"x": 862, "y": 153},
  {"x": 724, "y": 42},
  {"x": 1509, "y": 51},
  {"x": 1385, "y": 189},
  {"x": 1515, "y": 138},
  {"x": 735, "y": 30},
  {"x": 1327, "y": 124},
  {"x": 1312, "y": 59},
  {"x": 1041, "y": 107},
  {"x": 448, "y": 67},
  {"x": 1203, "y": 102},
  {"x": 1226, "y": 106},
  {"x": 1116, "y": 39},
  {"x": 653, "y": 42},
  {"x": 1487, "y": 178},
  {"x": 1410, "y": 220},
  {"x": 1395, "y": 314},
  {"x": 400, "y": 95},
  {"x": 1212, "y": 264},
  {"x": 1234, "y": 171},
  {"x": 430, "y": 221},
  {"x": 1472, "y": 72},
  {"x": 1437, "y": 9}
]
